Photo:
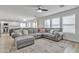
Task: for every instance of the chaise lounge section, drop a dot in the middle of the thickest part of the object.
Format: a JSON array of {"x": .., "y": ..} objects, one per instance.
[{"x": 23, "y": 41}]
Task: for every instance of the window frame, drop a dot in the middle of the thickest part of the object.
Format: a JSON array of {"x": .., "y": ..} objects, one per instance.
[{"x": 72, "y": 24}]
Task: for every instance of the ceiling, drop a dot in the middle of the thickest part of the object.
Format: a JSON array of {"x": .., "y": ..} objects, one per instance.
[{"x": 29, "y": 12}]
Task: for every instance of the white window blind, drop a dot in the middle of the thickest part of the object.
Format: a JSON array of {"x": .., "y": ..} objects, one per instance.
[
  {"x": 68, "y": 23},
  {"x": 47, "y": 23},
  {"x": 56, "y": 23}
]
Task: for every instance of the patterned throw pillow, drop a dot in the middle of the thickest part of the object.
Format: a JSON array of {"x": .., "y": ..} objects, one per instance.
[
  {"x": 52, "y": 31},
  {"x": 41, "y": 30},
  {"x": 57, "y": 35}
]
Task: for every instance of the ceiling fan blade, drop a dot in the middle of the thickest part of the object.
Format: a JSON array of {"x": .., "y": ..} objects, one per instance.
[{"x": 44, "y": 9}]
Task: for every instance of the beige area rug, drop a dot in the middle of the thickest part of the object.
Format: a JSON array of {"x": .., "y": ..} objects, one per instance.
[{"x": 44, "y": 46}]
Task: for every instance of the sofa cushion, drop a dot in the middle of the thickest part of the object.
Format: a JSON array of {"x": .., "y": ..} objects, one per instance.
[
  {"x": 18, "y": 32},
  {"x": 25, "y": 32},
  {"x": 51, "y": 35},
  {"x": 15, "y": 35}
]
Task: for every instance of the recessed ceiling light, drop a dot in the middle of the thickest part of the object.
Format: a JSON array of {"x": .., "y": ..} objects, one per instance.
[{"x": 39, "y": 11}]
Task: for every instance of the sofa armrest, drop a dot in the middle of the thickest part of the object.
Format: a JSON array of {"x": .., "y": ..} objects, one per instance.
[
  {"x": 58, "y": 36},
  {"x": 12, "y": 33}
]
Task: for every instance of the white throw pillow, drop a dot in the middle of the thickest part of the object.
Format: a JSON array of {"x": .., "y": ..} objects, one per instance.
[
  {"x": 51, "y": 31},
  {"x": 25, "y": 32},
  {"x": 18, "y": 32}
]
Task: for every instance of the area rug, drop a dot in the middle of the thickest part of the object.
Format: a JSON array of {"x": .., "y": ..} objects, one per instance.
[{"x": 44, "y": 46}]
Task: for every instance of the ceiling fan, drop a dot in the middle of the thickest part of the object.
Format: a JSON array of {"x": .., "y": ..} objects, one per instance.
[{"x": 41, "y": 9}]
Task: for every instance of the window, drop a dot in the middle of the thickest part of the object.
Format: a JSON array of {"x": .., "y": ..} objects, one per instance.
[
  {"x": 68, "y": 24},
  {"x": 29, "y": 24},
  {"x": 47, "y": 23},
  {"x": 34, "y": 24},
  {"x": 22, "y": 25},
  {"x": 56, "y": 23}
]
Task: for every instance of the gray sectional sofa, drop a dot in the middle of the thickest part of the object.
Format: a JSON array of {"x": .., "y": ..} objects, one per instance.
[
  {"x": 55, "y": 35},
  {"x": 25, "y": 34}
]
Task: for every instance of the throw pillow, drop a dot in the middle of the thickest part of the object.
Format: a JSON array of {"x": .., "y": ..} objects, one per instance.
[
  {"x": 41, "y": 30},
  {"x": 19, "y": 32},
  {"x": 57, "y": 35},
  {"x": 25, "y": 32},
  {"x": 55, "y": 32},
  {"x": 52, "y": 31}
]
